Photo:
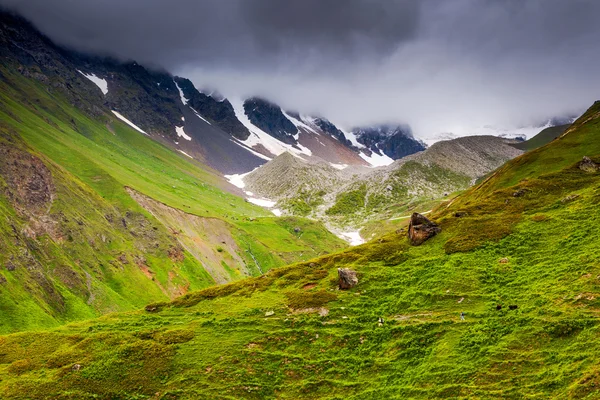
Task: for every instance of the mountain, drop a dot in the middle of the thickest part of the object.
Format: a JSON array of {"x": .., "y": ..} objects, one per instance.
[
  {"x": 101, "y": 208},
  {"x": 392, "y": 140},
  {"x": 346, "y": 195},
  {"x": 232, "y": 136},
  {"x": 517, "y": 254}
]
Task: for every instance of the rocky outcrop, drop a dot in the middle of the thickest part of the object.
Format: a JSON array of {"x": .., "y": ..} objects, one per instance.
[
  {"x": 269, "y": 117},
  {"x": 346, "y": 278},
  {"x": 588, "y": 165},
  {"x": 421, "y": 229},
  {"x": 218, "y": 111},
  {"x": 395, "y": 141}
]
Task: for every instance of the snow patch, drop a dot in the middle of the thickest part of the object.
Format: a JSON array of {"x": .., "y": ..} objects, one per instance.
[
  {"x": 183, "y": 99},
  {"x": 184, "y": 153},
  {"x": 376, "y": 160},
  {"x": 200, "y": 116},
  {"x": 262, "y": 202},
  {"x": 256, "y": 153},
  {"x": 298, "y": 123},
  {"x": 258, "y": 136},
  {"x": 183, "y": 119},
  {"x": 352, "y": 138},
  {"x": 128, "y": 122},
  {"x": 181, "y": 133},
  {"x": 277, "y": 212},
  {"x": 353, "y": 238},
  {"x": 101, "y": 83},
  {"x": 237, "y": 180},
  {"x": 338, "y": 166}
]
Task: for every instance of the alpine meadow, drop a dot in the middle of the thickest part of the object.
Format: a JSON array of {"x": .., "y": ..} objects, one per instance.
[{"x": 282, "y": 239}]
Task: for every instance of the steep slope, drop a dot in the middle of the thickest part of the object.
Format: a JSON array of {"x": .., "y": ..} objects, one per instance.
[{"x": 523, "y": 268}]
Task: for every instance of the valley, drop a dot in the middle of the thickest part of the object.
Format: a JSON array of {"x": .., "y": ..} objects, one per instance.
[{"x": 159, "y": 240}]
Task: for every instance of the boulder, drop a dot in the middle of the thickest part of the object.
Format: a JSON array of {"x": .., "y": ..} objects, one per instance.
[
  {"x": 347, "y": 278},
  {"x": 588, "y": 165},
  {"x": 520, "y": 193},
  {"x": 420, "y": 229}
]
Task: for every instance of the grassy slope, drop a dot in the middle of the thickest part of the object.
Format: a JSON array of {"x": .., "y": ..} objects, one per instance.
[
  {"x": 544, "y": 137},
  {"x": 219, "y": 343},
  {"x": 91, "y": 165}
]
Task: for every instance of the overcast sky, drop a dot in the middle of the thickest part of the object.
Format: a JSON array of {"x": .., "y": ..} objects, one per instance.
[{"x": 438, "y": 65}]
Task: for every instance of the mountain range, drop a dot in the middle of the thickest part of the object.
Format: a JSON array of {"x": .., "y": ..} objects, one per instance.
[{"x": 162, "y": 242}]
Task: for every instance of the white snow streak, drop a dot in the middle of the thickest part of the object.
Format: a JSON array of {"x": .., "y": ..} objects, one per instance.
[
  {"x": 299, "y": 123},
  {"x": 256, "y": 153},
  {"x": 128, "y": 122},
  {"x": 183, "y": 99},
  {"x": 184, "y": 153},
  {"x": 101, "y": 83},
  {"x": 258, "y": 136},
  {"x": 181, "y": 133},
  {"x": 352, "y": 138},
  {"x": 200, "y": 116}
]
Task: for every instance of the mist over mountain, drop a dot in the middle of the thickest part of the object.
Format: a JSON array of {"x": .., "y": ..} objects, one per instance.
[{"x": 470, "y": 63}]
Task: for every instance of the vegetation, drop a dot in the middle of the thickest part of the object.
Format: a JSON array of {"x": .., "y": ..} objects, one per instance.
[
  {"x": 544, "y": 137},
  {"x": 528, "y": 285},
  {"x": 349, "y": 202},
  {"x": 95, "y": 249}
]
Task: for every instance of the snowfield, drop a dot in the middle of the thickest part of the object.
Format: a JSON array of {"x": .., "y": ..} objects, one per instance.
[
  {"x": 101, "y": 83},
  {"x": 376, "y": 160},
  {"x": 260, "y": 137},
  {"x": 181, "y": 133}
]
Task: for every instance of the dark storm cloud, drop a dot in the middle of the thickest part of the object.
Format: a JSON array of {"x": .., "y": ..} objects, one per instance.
[
  {"x": 173, "y": 32},
  {"x": 440, "y": 65}
]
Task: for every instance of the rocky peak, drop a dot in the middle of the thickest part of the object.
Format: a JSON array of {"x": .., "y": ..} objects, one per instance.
[
  {"x": 395, "y": 141},
  {"x": 216, "y": 109},
  {"x": 269, "y": 117}
]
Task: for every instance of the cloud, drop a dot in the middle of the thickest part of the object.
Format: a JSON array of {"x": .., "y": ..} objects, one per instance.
[{"x": 438, "y": 65}]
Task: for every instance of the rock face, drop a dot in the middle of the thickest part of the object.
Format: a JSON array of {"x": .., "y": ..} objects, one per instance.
[
  {"x": 395, "y": 141},
  {"x": 219, "y": 111},
  {"x": 347, "y": 278},
  {"x": 421, "y": 229},
  {"x": 269, "y": 117},
  {"x": 588, "y": 165}
]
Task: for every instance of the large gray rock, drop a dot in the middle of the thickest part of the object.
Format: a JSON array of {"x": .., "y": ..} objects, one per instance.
[
  {"x": 420, "y": 229},
  {"x": 347, "y": 278}
]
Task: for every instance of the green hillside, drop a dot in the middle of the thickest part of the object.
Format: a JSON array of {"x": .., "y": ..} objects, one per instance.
[
  {"x": 74, "y": 244},
  {"x": 525, "y": 237},
  {"x": 544, "y": 137}
]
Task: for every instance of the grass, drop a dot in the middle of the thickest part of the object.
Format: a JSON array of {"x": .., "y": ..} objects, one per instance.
[
  {"x": 112, "y": 254},
  {"x": 544, "y": 137},
  {"x": 291, "y": 334}
]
